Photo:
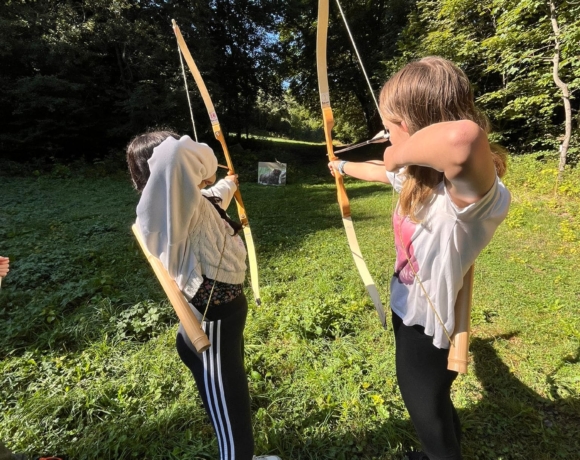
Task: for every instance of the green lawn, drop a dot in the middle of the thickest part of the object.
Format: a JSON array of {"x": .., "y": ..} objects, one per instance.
[{"x": 88, "y": 365}]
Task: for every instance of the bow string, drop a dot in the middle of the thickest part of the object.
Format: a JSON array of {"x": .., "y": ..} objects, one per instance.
[{"x": 219, "y": 135}]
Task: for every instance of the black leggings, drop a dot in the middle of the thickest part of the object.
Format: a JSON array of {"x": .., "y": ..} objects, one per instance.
[
  {"x": 425, "y": 385},
  {"x": 221, "y": 379}
]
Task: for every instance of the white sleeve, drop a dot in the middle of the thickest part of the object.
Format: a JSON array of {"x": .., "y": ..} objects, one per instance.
[
  {"x": 396, "y": 179},
  {"x": 223, "y": 189},
  {"x": 170, "y": 201},
  {"x": 493, "y": 205}
]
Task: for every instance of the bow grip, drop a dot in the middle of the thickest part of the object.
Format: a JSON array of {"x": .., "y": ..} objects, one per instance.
[{"x": 343, "y": 202}]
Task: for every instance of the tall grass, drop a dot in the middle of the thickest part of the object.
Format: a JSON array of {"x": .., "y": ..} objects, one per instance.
[{"x": 88, "y": 365}]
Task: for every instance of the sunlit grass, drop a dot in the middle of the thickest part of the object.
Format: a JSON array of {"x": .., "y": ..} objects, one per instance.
[{"x": 89, "y": 365}]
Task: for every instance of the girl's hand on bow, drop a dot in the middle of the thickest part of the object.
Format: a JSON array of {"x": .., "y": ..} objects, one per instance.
[
  {"x": 333, "y": 167},
  {"x": 233, "y": 178},
  {"x": 371, "y": 171}
]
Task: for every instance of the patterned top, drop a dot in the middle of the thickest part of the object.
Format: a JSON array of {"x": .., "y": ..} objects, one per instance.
[{"x": 222, "y": 293}]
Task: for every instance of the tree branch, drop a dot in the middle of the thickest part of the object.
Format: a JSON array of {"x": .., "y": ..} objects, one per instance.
[{"x": 563, "y": 87}]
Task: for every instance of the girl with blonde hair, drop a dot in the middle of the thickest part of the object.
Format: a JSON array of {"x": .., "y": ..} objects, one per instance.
[{"x": 451, "y": 200}]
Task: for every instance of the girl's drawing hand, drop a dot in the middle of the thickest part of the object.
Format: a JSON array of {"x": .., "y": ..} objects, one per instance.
[
  {"x": 207, "y": 182},
  {"x": 232, "y": 178},
  {"x": 390, "y": 164}
]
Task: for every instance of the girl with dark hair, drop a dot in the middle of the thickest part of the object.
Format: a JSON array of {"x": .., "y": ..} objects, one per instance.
[
  {"x": 187, "y": 228},
  {"x": 451, "y": 200}
]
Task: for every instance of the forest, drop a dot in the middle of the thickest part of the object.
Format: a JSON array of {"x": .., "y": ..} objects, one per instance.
[{"x": 80, "y": 78}]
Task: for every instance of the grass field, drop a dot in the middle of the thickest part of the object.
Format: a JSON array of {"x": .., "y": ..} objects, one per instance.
[{"x": 88, "y": 364}]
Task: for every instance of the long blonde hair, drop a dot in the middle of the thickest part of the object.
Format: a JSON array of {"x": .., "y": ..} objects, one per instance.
[{"x": 424, "y": 92}]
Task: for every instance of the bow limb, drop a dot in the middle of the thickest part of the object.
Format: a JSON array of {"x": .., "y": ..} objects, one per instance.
[
  {"x": 323, "y": 89},
  {"x": 328, "y": 122},
  {"x": 219, "y": 135},
  {"x": 204, "y": 94}
]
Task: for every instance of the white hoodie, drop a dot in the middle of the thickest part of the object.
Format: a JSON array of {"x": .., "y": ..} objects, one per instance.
[{"x": 182, "y": 228}]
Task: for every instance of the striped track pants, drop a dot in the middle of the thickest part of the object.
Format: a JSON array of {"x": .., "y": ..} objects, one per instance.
[{"x": 221, "y": 379}]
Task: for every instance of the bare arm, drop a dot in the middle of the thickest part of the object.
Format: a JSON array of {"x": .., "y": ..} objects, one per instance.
[
  {"x": 459, "y": 149},
  {"x": 371, "y": 171}
]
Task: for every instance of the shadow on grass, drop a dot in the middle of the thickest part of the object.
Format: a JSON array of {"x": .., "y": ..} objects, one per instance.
[
  {"x": 172, "y": 435},
  {"x": 512, "y": 421}
]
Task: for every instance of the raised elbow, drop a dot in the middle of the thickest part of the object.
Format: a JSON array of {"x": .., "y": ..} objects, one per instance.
[
  {"x": 464, "y": 133},
  {"x": 465, "y": 138}
]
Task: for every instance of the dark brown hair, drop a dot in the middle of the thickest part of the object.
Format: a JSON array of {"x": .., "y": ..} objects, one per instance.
[{"x": 140, "y": 149}]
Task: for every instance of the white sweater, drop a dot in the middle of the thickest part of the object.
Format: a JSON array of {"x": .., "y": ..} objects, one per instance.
[{"x": 182, "y": 228}]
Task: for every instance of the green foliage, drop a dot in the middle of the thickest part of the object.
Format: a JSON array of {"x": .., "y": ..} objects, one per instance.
[
  {"x": 143, "y": 320},
  {"x": 81, "y": 78},
  {"x": 375, "y": 26},
  {"x": 506, "y": 49},
  {"x": 286, "y": 118},
  {"x": 88, "y": 363}
]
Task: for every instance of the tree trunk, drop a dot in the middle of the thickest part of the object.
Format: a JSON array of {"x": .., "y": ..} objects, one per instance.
[{"x": 565, "y": 91}]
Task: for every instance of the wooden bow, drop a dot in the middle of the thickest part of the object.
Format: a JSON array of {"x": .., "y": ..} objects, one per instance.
[
  {"x": 328, "y": 122},
  {"x": 221, "y": 138}
]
